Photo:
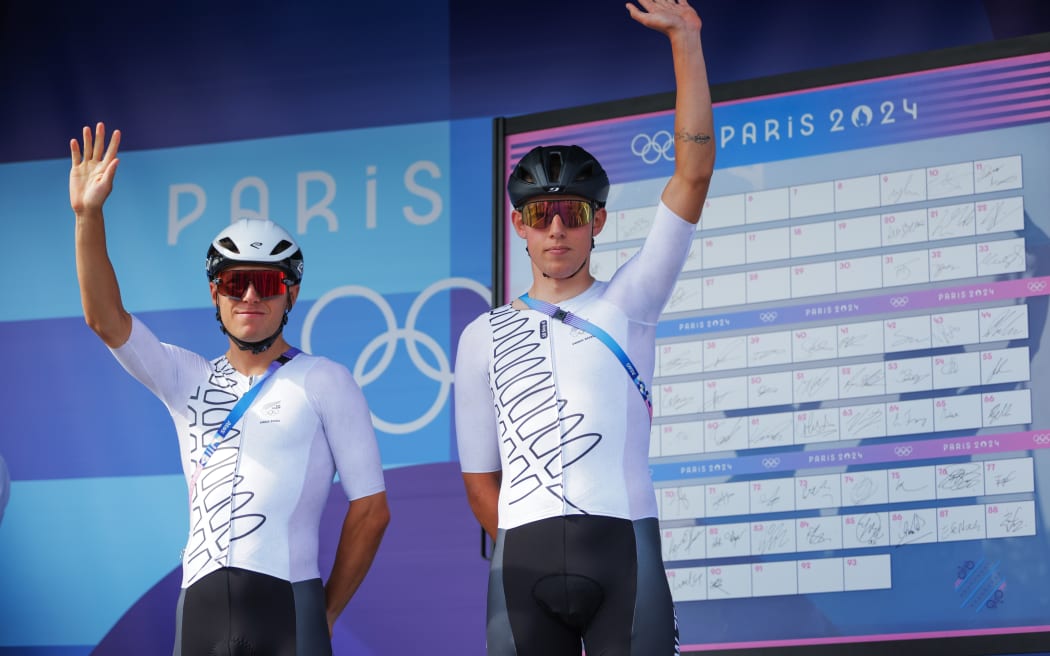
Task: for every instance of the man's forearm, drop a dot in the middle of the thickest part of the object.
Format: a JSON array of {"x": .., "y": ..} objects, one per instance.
[
  {"x": 363, "y": 527},
  {"x": 483, "y": 497}
]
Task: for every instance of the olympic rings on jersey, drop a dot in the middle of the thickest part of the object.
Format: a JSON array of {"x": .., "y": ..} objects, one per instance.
[
  {"x": 653, "y": 148},
  {"x": 391, "y": 336}
]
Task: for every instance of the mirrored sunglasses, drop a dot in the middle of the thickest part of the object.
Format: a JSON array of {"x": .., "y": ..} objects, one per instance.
[
  {"x": 573, "y": 213},
  {"x": 267, "y": 282}
]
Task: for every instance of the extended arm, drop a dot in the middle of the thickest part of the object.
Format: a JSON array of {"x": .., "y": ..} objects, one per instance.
[
  {"x": 90, "y": 182},
  {"x": 686, "y": 191},
  {"x": 363, "y": 527}
]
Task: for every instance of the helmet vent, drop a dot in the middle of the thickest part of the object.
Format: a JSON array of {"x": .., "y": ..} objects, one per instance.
[
  {"x": 554, "y": 167},
  {"x": 281, "y": 246},
  {"x": 585, "y": 173},
  {"x": 229, "y": 245}
]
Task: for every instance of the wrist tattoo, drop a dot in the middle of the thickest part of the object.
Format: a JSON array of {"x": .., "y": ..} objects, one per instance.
[{"x": 695, "y": 138}]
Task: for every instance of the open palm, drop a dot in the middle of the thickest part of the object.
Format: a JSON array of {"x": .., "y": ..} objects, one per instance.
[
  {"x": 92, "y": 172},
  {"x": 665, "y": 16}
]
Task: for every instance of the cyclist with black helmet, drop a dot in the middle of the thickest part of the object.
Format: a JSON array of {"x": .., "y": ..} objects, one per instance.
[
  {"x": 262, "y": 431},
  {"x": 552, "y": 409}
]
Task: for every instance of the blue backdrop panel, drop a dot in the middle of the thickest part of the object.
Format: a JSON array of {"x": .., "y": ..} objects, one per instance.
[{"x": 385, "y": 293}]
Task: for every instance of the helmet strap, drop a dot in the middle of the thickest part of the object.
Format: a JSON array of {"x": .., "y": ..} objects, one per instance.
[{"x": 573, "y": 274}]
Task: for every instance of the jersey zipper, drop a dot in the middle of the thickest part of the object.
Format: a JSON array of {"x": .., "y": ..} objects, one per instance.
[{"x": 552, "y": 326}]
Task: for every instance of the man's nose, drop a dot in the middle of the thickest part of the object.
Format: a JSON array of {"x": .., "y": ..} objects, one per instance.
[{"x": 250, "y": 295}]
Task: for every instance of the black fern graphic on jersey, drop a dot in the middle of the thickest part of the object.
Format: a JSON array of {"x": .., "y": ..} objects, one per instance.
[
  {"x": 221, "y": 512},
  {"x": 541, "y": 435}
]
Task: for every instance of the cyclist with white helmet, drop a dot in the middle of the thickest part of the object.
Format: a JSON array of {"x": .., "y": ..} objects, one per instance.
[
  {"x": 552, "y": 410},
  {"x": 262, "y": 430}
]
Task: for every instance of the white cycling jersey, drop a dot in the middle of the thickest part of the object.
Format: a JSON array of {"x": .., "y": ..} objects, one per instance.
[
  {"x": 554, "y": 408},
  {"x": 257, "y": 504}
]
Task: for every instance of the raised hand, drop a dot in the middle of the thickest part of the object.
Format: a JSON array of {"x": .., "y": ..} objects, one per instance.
[
  {"x": 91, "y": 174},
  {"x": 665, "y": 16},
  {"x": 693, "y": 119}
]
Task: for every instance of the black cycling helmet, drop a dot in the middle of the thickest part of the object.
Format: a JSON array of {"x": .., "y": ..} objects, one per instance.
[
  {"x": 255, "y": 241},
  {"x": 568, "y": 170}
]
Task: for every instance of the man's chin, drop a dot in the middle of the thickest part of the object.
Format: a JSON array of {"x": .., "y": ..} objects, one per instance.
[
  {"x": 254, "y": 335},
  {"x": 563, "y": 271}
]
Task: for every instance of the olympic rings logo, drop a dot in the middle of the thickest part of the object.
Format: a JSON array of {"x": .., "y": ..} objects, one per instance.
[
  {"x": 653, "y": 148},
  {"x": 1037, "y": 285},
  {"x": 768, "y": 317},
  {"x": 388, "y": 341},
  {"x": 899, "y": 301},
  {"x": 770, "y": 463}
]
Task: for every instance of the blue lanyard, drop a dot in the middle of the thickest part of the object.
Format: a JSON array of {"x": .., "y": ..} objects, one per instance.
[
  {"x": 579, "y": 322},
  {"x": 238, "y": 410}
]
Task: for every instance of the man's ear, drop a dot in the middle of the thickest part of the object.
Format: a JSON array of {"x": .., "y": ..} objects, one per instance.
[
  {"x": 519, "y": 225},
  {"x": 214, "y": 289},
  {"x": 600, "y": 215},
  {"x": 293, "y": 294}
]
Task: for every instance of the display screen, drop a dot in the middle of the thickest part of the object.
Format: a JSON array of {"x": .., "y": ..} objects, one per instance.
[{"x": 849, "y": 445}]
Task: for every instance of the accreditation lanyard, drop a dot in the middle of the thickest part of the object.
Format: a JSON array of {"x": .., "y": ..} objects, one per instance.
[
  {"x": 575, "y": 321},
  {"x": 236, "y": 412}
]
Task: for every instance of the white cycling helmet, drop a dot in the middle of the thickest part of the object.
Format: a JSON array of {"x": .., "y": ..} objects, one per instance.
[{"x": 255, "y": 241}]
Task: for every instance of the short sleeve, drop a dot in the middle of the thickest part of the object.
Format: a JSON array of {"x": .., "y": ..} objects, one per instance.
[
  {"x": 155, "y": 364},
  {"x": 476, "y": 434},
  {"x": 348, "y": 428}
]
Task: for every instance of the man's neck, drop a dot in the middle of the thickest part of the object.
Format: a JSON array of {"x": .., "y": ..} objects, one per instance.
[
  {"x": 554, "y": 290},
  {"x": 254, "y": 364}
]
